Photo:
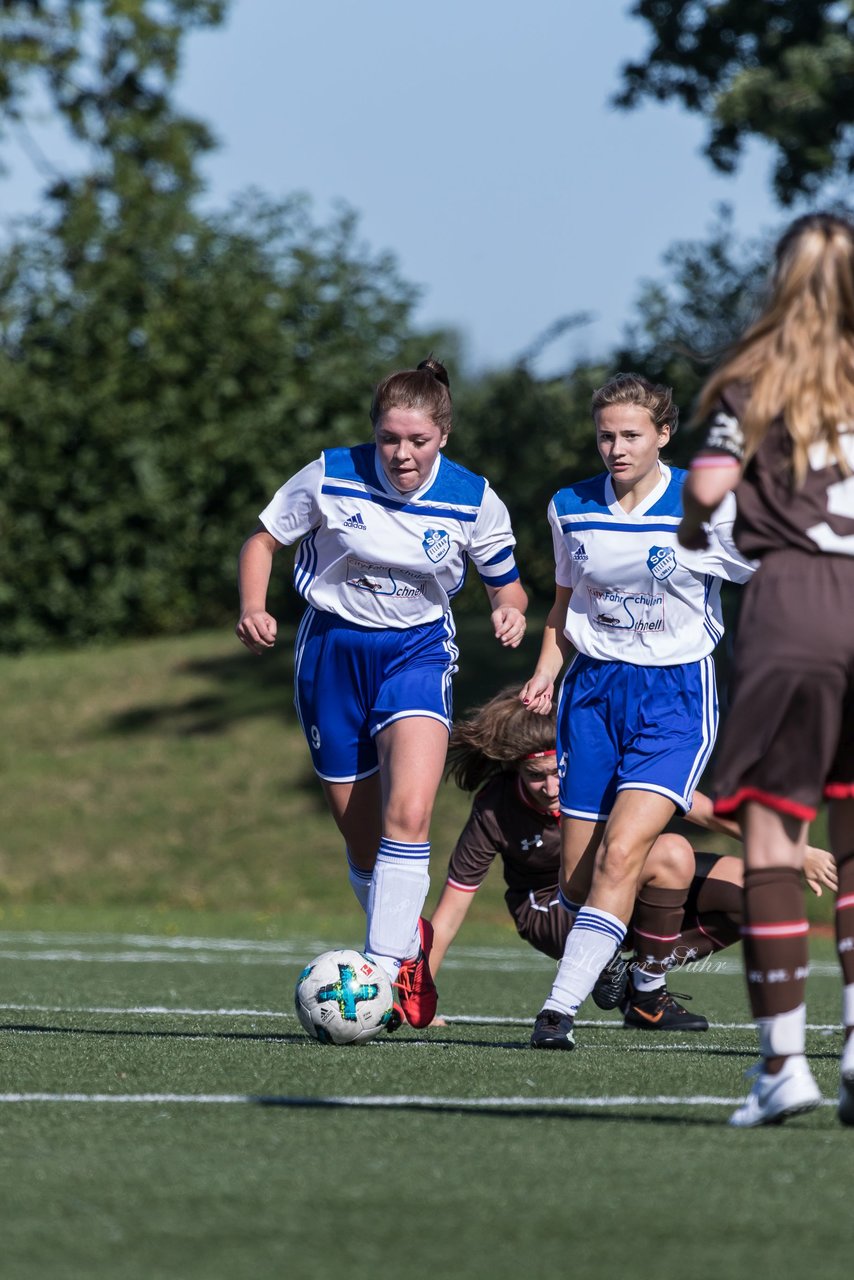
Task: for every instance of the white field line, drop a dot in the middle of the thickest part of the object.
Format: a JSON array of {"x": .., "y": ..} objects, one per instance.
[
  {"x": 378, "y": 1100},
  {"x": 134, "y": 948},
  {"x": 457, "y": 1019}
]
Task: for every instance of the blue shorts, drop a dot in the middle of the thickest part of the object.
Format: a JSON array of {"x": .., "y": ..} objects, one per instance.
[
  {"x": 624, "y": 727},
  {"x": 350, "y": 682}
]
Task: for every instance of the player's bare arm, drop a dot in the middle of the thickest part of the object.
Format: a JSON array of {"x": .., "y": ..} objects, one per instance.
[
  {"x": 256, "y": 628},
  {"x": 508, "y": 604},
  {"x": 451, "y": 910},
  {"x": 538, "y": 693},
  {"x": 711, "y": 478}
]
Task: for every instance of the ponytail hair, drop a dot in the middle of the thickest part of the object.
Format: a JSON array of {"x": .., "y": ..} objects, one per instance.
[
  {"x": 796, "y": 361},
  {"x": 426, "y": 389},
  {"x": 495, "y": 738}
]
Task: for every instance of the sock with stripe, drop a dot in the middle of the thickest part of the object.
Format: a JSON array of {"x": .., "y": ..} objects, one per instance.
[
  {"x": 360, "y": 882},
  {"x": 591, "y": 944},
  {"x": 657, "y": 929},
  {"x": 399, "y": 888},
  {"x": 775, "y": 941}
]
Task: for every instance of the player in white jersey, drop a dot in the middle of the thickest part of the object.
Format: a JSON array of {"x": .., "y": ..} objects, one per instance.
[
  {"x": 637, "y": 713},
  {"x": 385, "y": 532}
]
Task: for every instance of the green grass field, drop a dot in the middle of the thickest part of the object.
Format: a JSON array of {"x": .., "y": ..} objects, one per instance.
[
  {"x": 167, "y": 867},
  {"x": 164, "y": 1115}
]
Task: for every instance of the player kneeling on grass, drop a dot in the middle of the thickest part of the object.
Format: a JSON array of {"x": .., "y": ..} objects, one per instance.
[{"x": 507, "y": 755}]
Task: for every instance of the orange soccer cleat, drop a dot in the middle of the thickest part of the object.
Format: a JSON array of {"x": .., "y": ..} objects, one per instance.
[{"x": 415, "y": 988}]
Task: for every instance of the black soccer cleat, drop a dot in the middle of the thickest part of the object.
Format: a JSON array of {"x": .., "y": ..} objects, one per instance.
[
  {"x": 610, "y": 988},
  {"x": 659, "y": 1010},
  {"x": 553, "y": 1030}
]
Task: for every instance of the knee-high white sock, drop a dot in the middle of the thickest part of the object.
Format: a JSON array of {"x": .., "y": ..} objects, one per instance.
[
  {"x": 592, "y": 941},
  {"x": 399, "y": 888},
  {"x": 360, "y": 882}
]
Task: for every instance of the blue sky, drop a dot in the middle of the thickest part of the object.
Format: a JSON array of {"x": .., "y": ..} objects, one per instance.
[{"x": 475, "y": 139}]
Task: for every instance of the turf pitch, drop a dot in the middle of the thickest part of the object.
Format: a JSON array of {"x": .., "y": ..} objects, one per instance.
[{"x": 164, "y": 1115}]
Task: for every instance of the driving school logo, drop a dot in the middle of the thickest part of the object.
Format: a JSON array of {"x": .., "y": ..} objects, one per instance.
[
  {"x": 437, "y": 544},
  {"x": 661, "y": 562}
]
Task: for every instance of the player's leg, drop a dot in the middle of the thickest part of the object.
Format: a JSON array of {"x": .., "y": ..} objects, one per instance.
[
  {"x": 332, "y": 675},
  {"x": 657, "y": 924},
  {"x": 357, "y": 810},
  {"x": 714, "y": 910},
  {"x": 412, "y": 754},
  {"x": 776, "y": 959},
  {"x": 600, "y": 926},
  {"x": 842, "y": 844}
]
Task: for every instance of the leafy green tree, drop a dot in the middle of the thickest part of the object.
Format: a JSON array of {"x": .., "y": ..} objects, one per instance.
[
  {"x": 530, "y": 437},
  {"x": 781, "y": 70},
  {"x": 161, "y": 373},
  {"x": 684, "y": 320},
  {"x": 150, "y": 410}
]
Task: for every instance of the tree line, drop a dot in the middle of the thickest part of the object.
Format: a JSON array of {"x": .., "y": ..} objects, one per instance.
[{"x": 162, "y": 371}]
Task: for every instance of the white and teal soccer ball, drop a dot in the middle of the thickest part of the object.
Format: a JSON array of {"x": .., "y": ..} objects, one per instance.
[{"x": 342, "y": 997}]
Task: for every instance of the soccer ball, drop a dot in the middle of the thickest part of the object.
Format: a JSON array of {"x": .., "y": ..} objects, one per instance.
[{"x": 342, "y": 997}]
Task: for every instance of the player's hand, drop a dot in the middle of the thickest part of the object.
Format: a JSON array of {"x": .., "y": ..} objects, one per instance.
[
  {"x": 692, "y": 536},
  {"x": 819, "y": 869},
  {"x": 509, "y": 624},
  {"x": 537, "y": 694},
  {"x": 257, "y": 629}
]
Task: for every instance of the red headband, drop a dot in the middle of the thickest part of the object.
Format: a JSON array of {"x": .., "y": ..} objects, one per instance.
[{"x": 535, "y": 755}]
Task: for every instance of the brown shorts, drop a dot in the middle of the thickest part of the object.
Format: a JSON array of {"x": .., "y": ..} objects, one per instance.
[
  {"x": 540, "y": 919},
  {"x": 788, "y": 736},
  {"x": 543, "y": 922}
]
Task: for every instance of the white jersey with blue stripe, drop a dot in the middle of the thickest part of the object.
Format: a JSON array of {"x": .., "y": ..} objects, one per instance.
[
  {"x": 382, "y": 558},
  {"x": 637, "y": 595}
]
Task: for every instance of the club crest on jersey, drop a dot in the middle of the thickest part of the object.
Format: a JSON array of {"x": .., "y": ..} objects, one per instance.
[
  {"x": 437, "y": 544},
  {"x": 661, "y": 562}
]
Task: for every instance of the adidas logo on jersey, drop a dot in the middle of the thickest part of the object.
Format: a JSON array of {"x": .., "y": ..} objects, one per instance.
[
  {"x": 355, "y": 522},
  {"x": 579, "y": 553}
]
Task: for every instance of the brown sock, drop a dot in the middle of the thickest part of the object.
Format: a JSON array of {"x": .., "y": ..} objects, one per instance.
[
  {"x": 657, "y": 927},
  {"x": 845, "y": 917},
  {"x": 775, "y": 943}
]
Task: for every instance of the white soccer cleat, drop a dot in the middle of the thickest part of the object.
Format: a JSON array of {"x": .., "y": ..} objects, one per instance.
[{"x": 773, "y": 1099}]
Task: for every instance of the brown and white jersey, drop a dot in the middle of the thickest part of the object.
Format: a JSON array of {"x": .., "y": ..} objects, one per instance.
[
  {"x": 504, "y": 824},
  {"x": 772, "y": 513}
]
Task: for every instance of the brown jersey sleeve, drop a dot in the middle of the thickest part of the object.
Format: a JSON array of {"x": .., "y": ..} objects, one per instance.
[{"x": 479, "y": 844}]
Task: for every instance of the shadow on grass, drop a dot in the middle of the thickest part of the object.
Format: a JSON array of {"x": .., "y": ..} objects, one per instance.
[
  {"x": 244, "y": 686},
  {"x": 600, "y": 1115}
]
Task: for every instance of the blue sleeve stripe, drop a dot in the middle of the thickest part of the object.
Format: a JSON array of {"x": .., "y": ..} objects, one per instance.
[
  {"x": 501, "y": 579},
  {"x": 499, "y": 556},
  {"x": 405, "y": 508}
]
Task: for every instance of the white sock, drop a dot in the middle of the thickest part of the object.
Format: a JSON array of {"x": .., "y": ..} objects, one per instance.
[
  {"x": 783, "y": 1034},
  {"x": 399, "y": 888},
  {"x": 360, "y": 882},
  {"x": 589, "y": 947},
  {"x": 643, "y": 981}
]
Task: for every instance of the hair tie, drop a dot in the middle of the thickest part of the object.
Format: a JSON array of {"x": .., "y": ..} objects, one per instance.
[{"x": 535, "y": 755}]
